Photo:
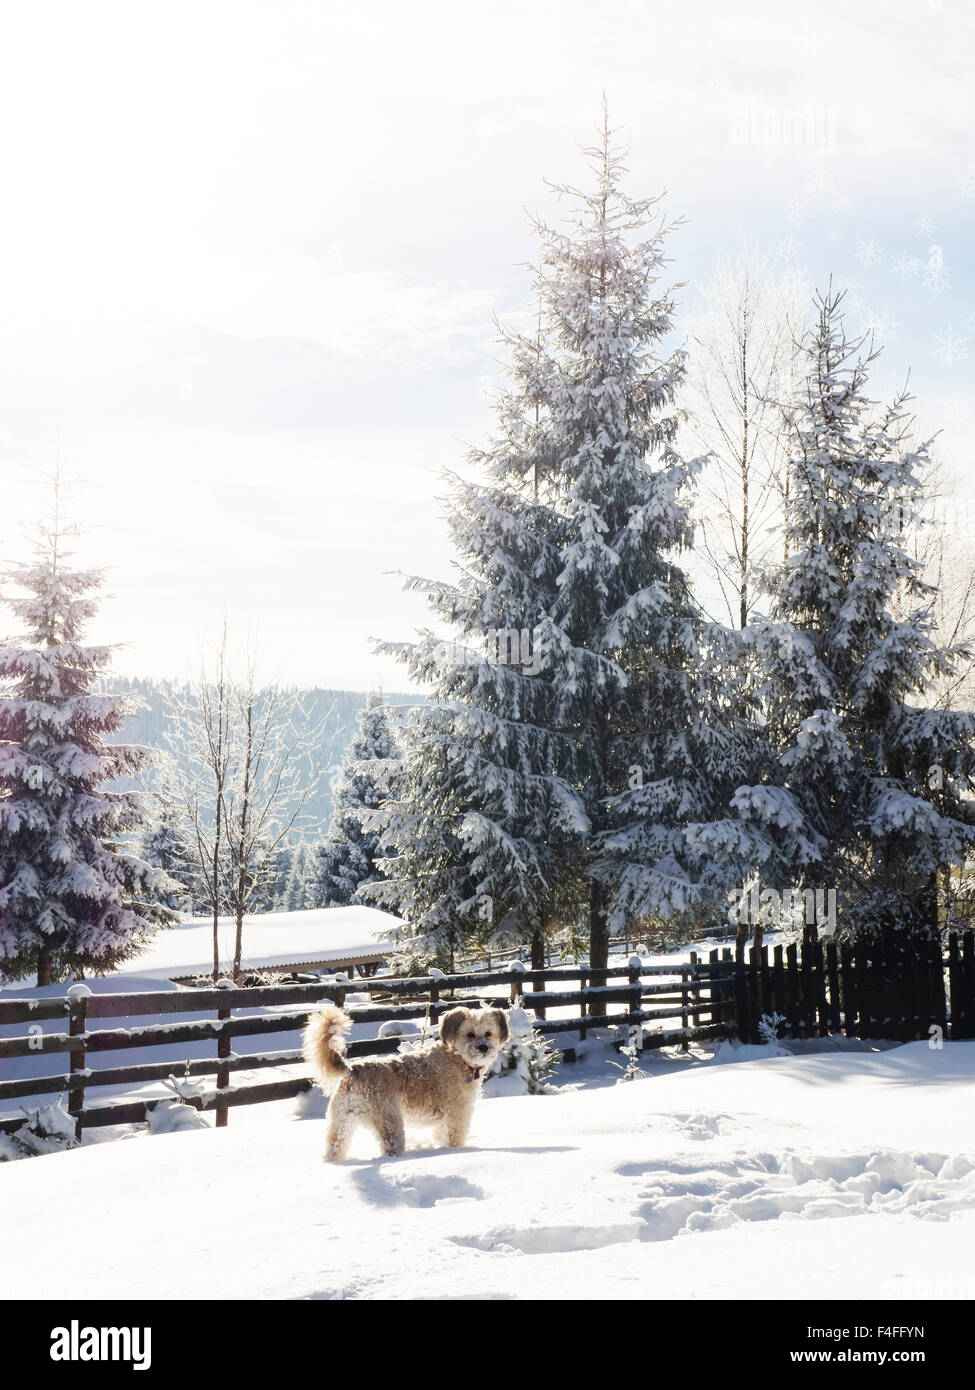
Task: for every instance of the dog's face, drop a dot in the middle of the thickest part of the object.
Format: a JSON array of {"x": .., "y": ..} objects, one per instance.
[{"x": 477, "y": 1035}]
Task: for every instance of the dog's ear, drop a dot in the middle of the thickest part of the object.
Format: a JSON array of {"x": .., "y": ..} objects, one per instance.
[
  {"x": 503, "y": 1030},
  {"x": 451, "y": 1024}
]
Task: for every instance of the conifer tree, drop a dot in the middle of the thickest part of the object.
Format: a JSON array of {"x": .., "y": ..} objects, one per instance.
[
  {"x": 166, "y": 845},
  {"x": 295, "y": 896},
  {"x": 72, "y": 894},
  {"x": 582, "y": 721},
  {"x": 880, "y": 782},
  {"x": 344, "y": 863}
]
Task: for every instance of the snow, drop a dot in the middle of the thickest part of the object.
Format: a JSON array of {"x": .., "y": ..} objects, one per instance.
[
  {"x": 841, "y": 1175},
  {"x": 270, "y": 939}
]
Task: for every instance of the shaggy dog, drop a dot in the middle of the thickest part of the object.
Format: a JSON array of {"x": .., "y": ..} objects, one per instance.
[{"x": 437, "y": 1086}]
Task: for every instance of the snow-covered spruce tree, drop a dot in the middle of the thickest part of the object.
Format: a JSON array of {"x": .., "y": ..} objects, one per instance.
[
  {"x": 71, "y": 895},
  {"x": 167, "y": 845},
  {"x": 880, "y": 782},
  {"x": 296, "y": 894},
  {"x": 345, "y": 861},
  {"x": 579, "y": 723}
]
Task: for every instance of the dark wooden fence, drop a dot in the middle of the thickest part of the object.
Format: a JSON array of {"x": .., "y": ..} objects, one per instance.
[
  {"x": 864, "y": 991},
  {"x": 697, "y": 996},
  {"x": 819, "y": 988}
]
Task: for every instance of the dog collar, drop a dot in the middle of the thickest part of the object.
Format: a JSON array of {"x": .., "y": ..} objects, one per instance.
[{"x": 475, "y": 1072}]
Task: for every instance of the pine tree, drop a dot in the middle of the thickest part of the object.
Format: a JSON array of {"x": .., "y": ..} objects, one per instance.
[
  {"x": 71, "y": 894},
  {"x": 166, "y": 845},
  {"x": 880, "y": 783},
  {"x": 345, "y": 861},
  {"x": 581, "y": 722}
]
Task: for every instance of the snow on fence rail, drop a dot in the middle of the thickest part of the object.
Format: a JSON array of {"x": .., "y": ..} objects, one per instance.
[{"x": 688, "y": 991}]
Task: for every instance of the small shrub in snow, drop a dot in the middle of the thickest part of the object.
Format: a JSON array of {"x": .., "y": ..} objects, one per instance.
[
  {"x": 171, "y": 1115},
  {"x": 49, "y": 1129},
  {"x": 632, "y": 1069},
  {"x": 422, "y": 1034},
  {"x": 528, "y": 1053},
  {"x": 768, "y": 1026}
]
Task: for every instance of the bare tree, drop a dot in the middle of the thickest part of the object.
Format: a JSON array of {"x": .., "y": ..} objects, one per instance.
[
  {"x": 278, "y": 760},
  {"x": 741, "y": 369},
  {"x": 246, "y": 758},
  {"x": 200, "y": 769},
  {"x": 943, "y": 545}
]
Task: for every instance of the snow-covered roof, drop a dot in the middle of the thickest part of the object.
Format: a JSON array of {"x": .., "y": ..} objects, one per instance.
[{"x": 323, "y": 934}]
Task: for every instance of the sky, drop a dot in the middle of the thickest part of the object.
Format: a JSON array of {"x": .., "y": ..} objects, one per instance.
[{"x": 250, "y": 255}]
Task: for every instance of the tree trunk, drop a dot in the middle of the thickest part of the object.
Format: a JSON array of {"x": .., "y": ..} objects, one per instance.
[
  {"x": 598, "y": 933},
  {"x": 538, "y": 949},
  {"x": 238, "y": 943},
  {"x": 44, "y": 968}
]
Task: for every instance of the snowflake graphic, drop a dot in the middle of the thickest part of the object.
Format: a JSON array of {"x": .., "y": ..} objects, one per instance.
[
  {"x": 925, "y": 226},
  {"x": 968, "y": 182},
  {"x": 882, "y": 326},
  {"x": 796, "y": 210},
  {"x": 869, "y": 252},
  {"x": 788, "y": 248},
  {"x": 904, "y": 267},
  {"x": 821, "y": 185},
  {"x": 936, "y": 279},
  {"x": 834, "y": 234},
  {"x": 950, "y": 347}
]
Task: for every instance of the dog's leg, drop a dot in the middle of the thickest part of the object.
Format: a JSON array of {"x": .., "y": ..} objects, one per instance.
[
  {"x": 455, "y": 1132},
  {"x": 388, "y": 1123},
  {"x": 341, "y": 1123},
  {"x": 455, "y": 1125}
]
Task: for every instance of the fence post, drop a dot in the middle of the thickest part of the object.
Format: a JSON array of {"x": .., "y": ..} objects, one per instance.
[
  {"x": 742, "y": 1006},
  {"x": 726, "y": 993},
  {"x": 77, "y": 998},
  {"x": 223, "y": 1051},
  {"x": 635, "y": 965},
  {"x": 686, "y": 1018}
]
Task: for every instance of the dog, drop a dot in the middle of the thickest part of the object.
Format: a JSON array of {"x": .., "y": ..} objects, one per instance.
[{"x": 436, "y": 1086}]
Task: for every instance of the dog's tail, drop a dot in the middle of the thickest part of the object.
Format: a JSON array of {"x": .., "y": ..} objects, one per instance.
[{"x": 323, "y": 1044}]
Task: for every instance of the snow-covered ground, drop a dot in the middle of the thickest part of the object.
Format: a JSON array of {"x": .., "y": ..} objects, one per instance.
[{"x": 841, "y": 1175}]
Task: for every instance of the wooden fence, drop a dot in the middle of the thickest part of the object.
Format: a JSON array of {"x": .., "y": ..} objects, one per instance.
[
  {"x": 698, "y": 996},
  {"x": 863, "y": 991},
  {"x": 819, "y": 989}
]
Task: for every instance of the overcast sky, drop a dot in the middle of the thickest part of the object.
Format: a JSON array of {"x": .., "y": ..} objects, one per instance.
[{"x": 250, "y": 253}]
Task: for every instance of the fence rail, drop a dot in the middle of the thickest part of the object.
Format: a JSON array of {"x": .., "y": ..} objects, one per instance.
[{"x": 699, "y": 994}]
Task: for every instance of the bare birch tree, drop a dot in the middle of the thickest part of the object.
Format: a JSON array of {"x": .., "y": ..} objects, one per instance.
[
  {"x": 277, "y": 763},
  {"x": 741, "y": 367},
  {"x": 246, "y": 759},
  {"x": 199, "y": 771}
]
